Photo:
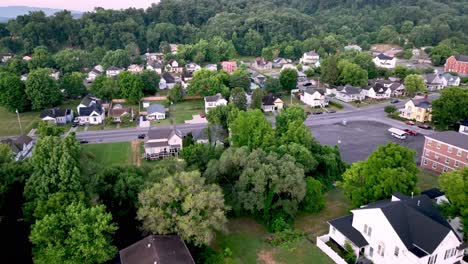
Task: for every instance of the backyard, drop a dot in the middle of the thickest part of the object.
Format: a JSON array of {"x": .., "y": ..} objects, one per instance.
[
  {"x": 110, "y": 153},
  {"x": 182, "y": 111}
]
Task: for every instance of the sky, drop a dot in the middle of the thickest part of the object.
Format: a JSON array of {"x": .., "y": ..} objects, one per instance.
[{"x": 79, "y": 5}]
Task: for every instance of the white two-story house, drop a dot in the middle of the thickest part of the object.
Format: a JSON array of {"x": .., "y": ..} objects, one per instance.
[
  {"x": 314, "y": 98},
  {"x": 384, "y": 61},
  {"x": 214, "y": 101},
  {"x": 113, "y": 71},
  {"x": 402, "y": 230},
  {"x": 311, "y": 58},
  {"x": 162, "y": 143},
  {"x": 347, "y": 93},
  {"x": 377, "y": 92},
  {"x": 90, "y": 111}
]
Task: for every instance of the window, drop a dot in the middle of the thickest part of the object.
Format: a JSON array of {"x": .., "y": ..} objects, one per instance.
[
  {"x": 445, "y": 169},
  {"x": 429, "y": 143},
  {"x": 381, "y": 250},
  {"x": 365, "y": 229},
  {"x": 333, "y": 230},
  {"x": 436, "y": 156},
  {"x": 397, "y": 250},
  {"x": 456, "y": 164},
  {"x": 438, "y": 146},
  {"x": 432, "y": 259},
  {"x": 459, "y": 152},
  {"x": 447, "y": 160},
  {"x": 369, "y": 231},
  {"x": 449, "y": 149},
  {"x": 434, "y": 165},
  {"x": 425, "y": 161},
  {"x": 371, "y": 252},
  {"x": 428, "y": 153}
]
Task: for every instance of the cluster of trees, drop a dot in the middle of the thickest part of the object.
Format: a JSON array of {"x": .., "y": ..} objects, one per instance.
[
  {"x": 249, "y": 28},
  {"x": 450, "y": 108}
]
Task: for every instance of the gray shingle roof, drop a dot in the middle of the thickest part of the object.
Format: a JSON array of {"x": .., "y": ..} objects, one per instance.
[
  {"x": 156, "y": 108},
  {"x": 214, "y": 98},
  {"x": 461, "y": 58},
  {"x": 345, "y": 226},
  {"x": 54, "y": 112},
  {"x": 382, "y": 56},
  {"x": 163, "y": 133},
  {"x": 433, "y": 193},
  {"x": 451, "y": 137}
]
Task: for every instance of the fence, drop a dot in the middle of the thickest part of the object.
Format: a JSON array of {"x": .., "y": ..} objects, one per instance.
[{"x": 327, "y": 250}]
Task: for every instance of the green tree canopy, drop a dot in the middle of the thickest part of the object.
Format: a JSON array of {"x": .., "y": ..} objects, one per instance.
[
  {"x": 414, "y": 84},
  {"x": 151, "y": 81},
  {"x": 176, "y": 93},
  {"x": 352, "y": 74},
  {"x": 118, "y": 58},
  {"x": 131, "y": 86},
  {"x": 42, "y": 90},
  {"x": 207, "y": 83},
  {"x": 222, "y": 115},
  {"x": 272, "y": 85},
  {"x": 105, "y": 88},
  {"x": 13, "y": 93},
  {"x": 313, "y": 200},
  {"x": 288, "y": 79},
  {"x": 72, "y": 84},
  {"x": 450, "y": 108},
  {"x": 238, "y": 98},
  {"x": 239, "y": 78},
  {"x": 251, "y": 129}
]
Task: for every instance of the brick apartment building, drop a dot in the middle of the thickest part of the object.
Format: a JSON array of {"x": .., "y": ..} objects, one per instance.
[
  {"x": 458, "y": 64},
  {"x": 445, "y": 151}
]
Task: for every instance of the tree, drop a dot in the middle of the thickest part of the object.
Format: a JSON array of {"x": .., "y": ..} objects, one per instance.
[
  {"x": 207, "y": 83},
  {"x": 44, "y": 129},
  {"x": 238, "y": 98},
  {"x": 118, "y": 58},
  {"x": 40, "y": 58},
  {"x": 197, "y": 156},
  {"x": 389, "y": 109},
  {"x": 76, "y": 235},
  {"x": 72, "y": 60},
  {"x": 131, "y": 86},
  {"x": 313, "y": 200},
  {"x": 251, "y": 129},
  {"x": 151, "y": 82},
  {"x": 352, "y": 74},
  {"x": 12, "y": 93},
  {"x": 253, "y": 42},
  {"x": 287, "y": 116},
  {"x": 176, "y": 93},
  {"x": 42, "y": 90},
  {"x": 222, "y": 115},
  {"x": 439, "y": 54},
  {"x": 105, "y": 88},
  {"x": 310, "y": 72},
  {"x": 185, "y": 205},
  {"x": 288, "y": 79},
  {"x": 239, "y": 78},
  {"x": 389, "y": 169},
  {"x": 330, "y": 73},
  {"x": 272, "y": 85},
  {"x": 450, "y": 107},
  {"x": 257, "y": 97},
  {"x": 414, "y": 84},
  {"x": 401, "y": 71},
  {"x": 72, "y": 84}
]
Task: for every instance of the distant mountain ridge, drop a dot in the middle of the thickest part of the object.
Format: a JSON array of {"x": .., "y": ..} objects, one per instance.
[{"x": 10, "y": 12}]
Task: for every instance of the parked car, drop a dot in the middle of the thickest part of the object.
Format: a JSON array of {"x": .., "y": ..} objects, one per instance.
[
  {"x": 411, "y": 123},
  {"x": 84, "y": 141},
  {"x": 424, "y": 126},
  {"x": 394, "y": 101},
  {"x": 308, "y": 113},
  {"x": 410, "y": 132},
  {"x": 141, "y": 136},
  {"x": 317, "y": 113},
  {"x": 74, "y": 124},
  {"x": 331, "y": 111}
]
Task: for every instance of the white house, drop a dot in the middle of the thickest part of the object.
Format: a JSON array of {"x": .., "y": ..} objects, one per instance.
[
  {"x": 449, "y": 79},
  {"x": 162, "y": 143},
  {"x": 314, "y": 98},
  {"x": 437, "y": 195},
  {"x": 377, "y": 91},
  {"x": 433, "y": 81},
  {"x": 262, "y": 64},
  {"x": 347, "y": 93},
  {"x": 93, "y": 74},
  {"x": 384, "y": 61},
  {"x": 463, "y": 127},
  {"x": 271, "y": 103},
  {"x": 156, "y": 112},
  {"x": 211, "y": 67},
  {"x": 214, "y": 101},
  {"x": 279, "y": 62},
  {"x": 192, "y": 67},
  {"x": 57, "y": 115},
  {"x": 20, "y": 146},
  {"x": 113, "y": 71},
  {"x": 311, "y": 57},
  {"x": 173, "y": 66},
  {"x": 90, "y": 111},
  {"x": 288, "y": 66},
  {"x": 167, "y": 81},
  {"x": 402, "y": 230},
  {"x": 155, "y": 66},
  {"x": 4, "y": 57},
  {"x": 135, "y": 68},
  {"x": 174, "y": 48}
]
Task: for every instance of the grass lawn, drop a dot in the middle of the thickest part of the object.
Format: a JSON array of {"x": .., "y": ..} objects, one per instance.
[
  {"x": 427, "y": 180},
  {"x": 110, "y": 153},
  {"x": 368, "y": 102},
  {"x": 182, "y": 111},
  {"x": 247, "y": 241},
  {"x": 9, "y": 125}
]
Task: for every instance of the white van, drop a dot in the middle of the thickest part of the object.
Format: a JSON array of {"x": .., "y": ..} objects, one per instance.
[{"x": 398, "y": 133}]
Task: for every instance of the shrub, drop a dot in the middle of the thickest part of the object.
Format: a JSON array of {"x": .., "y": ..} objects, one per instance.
[
  {"x": 279, "y": 224},
  {"x": 335, "y": 104},
  {"x": 350, "y": 257},
  {"x": 286, "y": 237},
  {"x": 390, "y": 109}
]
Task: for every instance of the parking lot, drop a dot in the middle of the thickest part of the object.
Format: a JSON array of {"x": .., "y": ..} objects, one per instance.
[{"x": 360, "y": 138}]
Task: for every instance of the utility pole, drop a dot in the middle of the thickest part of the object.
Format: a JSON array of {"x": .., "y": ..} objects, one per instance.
[{"x": 19, "y": 122}]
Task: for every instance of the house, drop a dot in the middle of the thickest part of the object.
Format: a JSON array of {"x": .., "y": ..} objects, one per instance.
[
  {"x": 157, "y": 249},
  {"x": 449, "y": 79},
  {"x": 162, "y": 143},
  {"x": 271, "y": 103},
  {"x": 384, "y": 61},
  {"x": 258, "y": 79},
  {"x": 117, "y": 112},
  {"x": 214, "y": 135},
  {"x": 113, "y": 71},
  {"x": 154, "y": 56},
  {"x": 154, "y": 65},
  {"x": 211, "y": 67},
  {"x": 229, "y": 66},
  {"x": 186, "y": 78},
  {"x": 192, "y": 67},
  {"x": 93, "y": 74},
  {"x": 420, "y": 56},
  {"x": 5, "y": 57},
  {"x": 458, "y": 64},
  {"x": 57, "y": 115},
  {"x": 173, "y": 66},
  {"x": 377, "y": 91},
  {"x": 463, "y": 127},
  {"x": 214, "y": 101},
  {"x": 419, "y": 109},
  {"x": 27, "y": 57},
  {"x": 174, "y": 48},
  {"x": 436, "y": 195},
  {"x": 445, "y": 151},
  {"x": 262, "y": 64},
  {"x": 156, "y": 112},
  {"x": 353, "y": 48},
  {"x": 167, "y": 81},
  {"x": 311, "y": 57},
  {"x": 403, "y": 230},
  {"x": 279, "y": 62},
  {"x": 397, "y": 88},
  {"x": 348, "y": 93},
  {"x": 24, "y": 77},
  {"x": 433, "y": 82},
  {"x": 90, "y": 111},
  {"x": 314, "y": 98},
  {"x": 54, "y": 75},
  {"x": 20, "y": 146},
  {"x": 135, "y": 68}
]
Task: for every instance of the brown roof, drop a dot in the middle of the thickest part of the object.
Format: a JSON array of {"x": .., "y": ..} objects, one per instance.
[{"x": 120, "y": 111}]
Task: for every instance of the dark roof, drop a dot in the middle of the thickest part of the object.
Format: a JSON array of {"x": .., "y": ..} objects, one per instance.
[
  {"x": 17, "y": 144},
  {"x": 461, "y": 58},
  {"x": 411, "y": 219},
  {"x": 157, "y": 249},
  {"x": 168, "y": 77},
  {"x": 395, "y": 86},
  {"x": 213, "y": 133},
  {"x": 156, "y": 144},
  {"x": 464, "y": 122},
  {"x": 451, "y": 137},
  {"x": 269, "y": 99},
  {"x": 345, "y": 226},
  {"x": 400, "y": 196},
  {"x": 163, "y": 133},
  {"x": 423, "y": 102},
  {"x": 312, "y": 53},
  {"x": 86, "y": 111},
  {"x": 156, "y": 108},
  {"x": 113, "y": 68},
  {"x": 214, "y": 98},
  {"x": 348, "y": 89},
  {"x": 87, "y": 100},
  {"x": 312, "y": 91},
  {"x": 23, "y": 139},
  {"x": 54, "y": 112},
  {"x": 382, "y": 56},
  {"x": 155, "y": 64},
  {"x": 433, "y": 193}
]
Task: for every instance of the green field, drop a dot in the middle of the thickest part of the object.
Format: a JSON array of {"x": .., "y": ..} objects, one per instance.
[
  {"x": 9, "y": 125},
  {"x": 182, "y": 111},
  {"x": 427, "y": 180},
  {"x": 110, "y": 153}
]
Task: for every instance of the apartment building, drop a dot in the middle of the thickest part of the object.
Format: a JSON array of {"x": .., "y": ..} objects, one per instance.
[{"x": 445, "y": 151}]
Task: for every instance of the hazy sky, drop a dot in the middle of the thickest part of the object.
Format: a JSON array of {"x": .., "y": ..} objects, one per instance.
[{"x": 83, "y": 5}]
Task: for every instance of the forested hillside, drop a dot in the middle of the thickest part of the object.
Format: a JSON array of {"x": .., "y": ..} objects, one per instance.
[{"x": 251, "y": 25}]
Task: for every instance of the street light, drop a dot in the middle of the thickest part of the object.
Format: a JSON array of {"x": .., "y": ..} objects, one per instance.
[{"x": 19, "y": 122}]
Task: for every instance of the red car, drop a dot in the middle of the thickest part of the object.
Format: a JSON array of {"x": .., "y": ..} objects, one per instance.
[
  {"x": 410, "y": 132},
  {"x": 411, "y": 123}
]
